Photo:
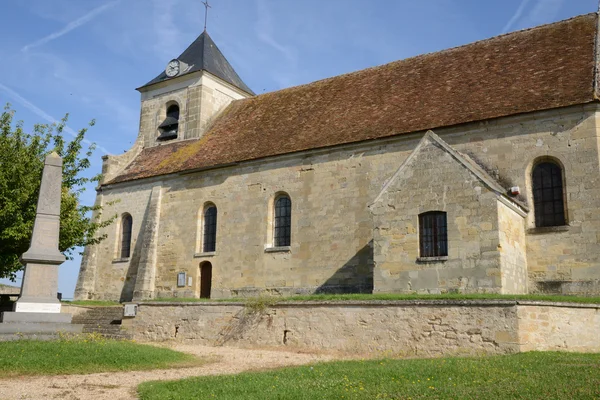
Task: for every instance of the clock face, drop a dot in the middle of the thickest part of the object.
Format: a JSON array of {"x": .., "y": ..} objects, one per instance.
[{"x": 172, "y": 68}]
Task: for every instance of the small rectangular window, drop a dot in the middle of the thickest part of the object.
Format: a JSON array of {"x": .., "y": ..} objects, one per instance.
[{"x": 433, "y": 234}]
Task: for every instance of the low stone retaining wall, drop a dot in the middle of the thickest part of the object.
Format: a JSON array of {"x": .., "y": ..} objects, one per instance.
[{"x": 386, "y": 327}]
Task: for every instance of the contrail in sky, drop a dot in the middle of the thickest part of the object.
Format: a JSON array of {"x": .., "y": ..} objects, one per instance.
[
  {"x": 41, "y": 113},
  {"x": 71, "y": 25},
  {"x": 515, "y": 16}
]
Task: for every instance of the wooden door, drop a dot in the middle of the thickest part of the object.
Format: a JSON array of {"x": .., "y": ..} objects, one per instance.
[{"x": 205, "y": 279}]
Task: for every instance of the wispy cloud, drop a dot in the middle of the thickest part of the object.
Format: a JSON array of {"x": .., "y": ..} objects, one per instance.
[
  {"x": 264, "y": 30},
  {"x": 42, "y": 114},
  {"x": 71, "y": 25},
  {"x": 516, "y": 16},
  {"x": 168, "y": 34},
  {"x": 265, "y": 33},
  {"x": 543, "y": 11}
]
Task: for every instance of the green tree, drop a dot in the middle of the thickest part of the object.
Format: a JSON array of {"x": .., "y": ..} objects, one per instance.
[{"x": 21, "y": 163}]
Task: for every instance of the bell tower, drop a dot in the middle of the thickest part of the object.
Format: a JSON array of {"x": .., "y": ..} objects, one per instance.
[{"x": 181, "y": 102}]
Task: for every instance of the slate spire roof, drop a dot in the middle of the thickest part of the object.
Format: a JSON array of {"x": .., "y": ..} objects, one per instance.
[{"x": 203, "y": 54}]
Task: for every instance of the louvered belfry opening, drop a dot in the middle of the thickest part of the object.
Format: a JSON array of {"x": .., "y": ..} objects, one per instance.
[
  {"x": 433, "y": 234},
  {"x": 283, "y": 221},
  {"x": 126, "y": 226},
  {"x": 209, "y": 242},
  {"x": 170, "y": 126},
  {"x": 548, "y": 195}
]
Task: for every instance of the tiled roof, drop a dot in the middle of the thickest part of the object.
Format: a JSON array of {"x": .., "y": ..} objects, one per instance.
[{"x": 540, "y": 68}]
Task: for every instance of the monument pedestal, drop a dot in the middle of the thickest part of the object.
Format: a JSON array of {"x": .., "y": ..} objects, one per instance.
[
  {"x": 36, "y": 330},
  {"x": 36, "y": 325}
]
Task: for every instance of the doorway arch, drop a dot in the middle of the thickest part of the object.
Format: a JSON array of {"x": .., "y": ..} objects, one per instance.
[{"x": 205, "y": 279}]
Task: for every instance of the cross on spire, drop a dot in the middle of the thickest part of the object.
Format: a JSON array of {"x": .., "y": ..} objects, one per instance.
[{"x": 206, "y": 7}]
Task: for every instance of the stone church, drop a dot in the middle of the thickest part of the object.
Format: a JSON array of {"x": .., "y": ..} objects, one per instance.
[{"x": 473, "y": 169}]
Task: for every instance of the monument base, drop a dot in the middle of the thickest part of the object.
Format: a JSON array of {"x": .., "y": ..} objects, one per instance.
[
  {"x": 35, "y": 318},
  {"x": 37, "y": 331},
  {"x": 36, "y": 326},
  {"x": 36, "y": 307}
]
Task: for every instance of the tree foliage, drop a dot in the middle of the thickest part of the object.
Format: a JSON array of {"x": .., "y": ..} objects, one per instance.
[{"x": 22, "y": 158}]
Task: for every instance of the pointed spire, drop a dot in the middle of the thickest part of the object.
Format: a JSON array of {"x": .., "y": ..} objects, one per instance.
[{"x": 204, "y": 55}]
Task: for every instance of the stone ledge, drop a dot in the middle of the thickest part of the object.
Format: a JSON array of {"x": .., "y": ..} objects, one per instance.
[
  {"x": 380, "y": 303},
  {"x": 548, "y": 229},
  {"x": 205, "y": 254},
  {"x": 432, "y": 259},
  {"x": 279, "y": 249},
  {"x": 120, "y": 260},
  {"x": 556, "y": 304}
]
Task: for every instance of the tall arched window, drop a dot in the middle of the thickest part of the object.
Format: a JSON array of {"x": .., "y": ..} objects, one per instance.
[
  {"x": 209, "y": 234},
  {"x": 126, "y": 225},
  {"x": 433, "y": 234},
  {"x": 283, "y": 221},
  {"x": 169, "y": 127},
  {"x": 548, "y": 194}
]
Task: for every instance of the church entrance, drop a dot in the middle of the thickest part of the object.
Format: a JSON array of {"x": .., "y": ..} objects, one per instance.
[{"x": 205, "y": 279}]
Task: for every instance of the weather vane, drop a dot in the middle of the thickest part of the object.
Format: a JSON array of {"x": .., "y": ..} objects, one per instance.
[{"x": 206, "y": 6}]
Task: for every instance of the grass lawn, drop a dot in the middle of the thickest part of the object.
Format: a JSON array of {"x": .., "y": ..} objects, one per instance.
[
  {"x": 83, "y": 355},
  {"x": 535, "y": 375},
  {"x": 395, "y": 296}
]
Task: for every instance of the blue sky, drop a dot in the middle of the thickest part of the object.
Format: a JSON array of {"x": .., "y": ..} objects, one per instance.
[{"x": 87, "y": 57}]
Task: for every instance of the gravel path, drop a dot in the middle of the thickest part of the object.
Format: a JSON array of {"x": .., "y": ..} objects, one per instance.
[{"x": 122, "y": 385}]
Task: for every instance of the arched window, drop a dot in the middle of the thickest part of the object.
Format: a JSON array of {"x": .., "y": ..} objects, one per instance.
[
  {"x": 126, "y": 225},
  {"x": 283, "y": 221},
  {"x": 168, "y": 128},
  {"x": 209, "y": 235},
  {"x": 548, "y": 195},
  {"x": 433, "y": 234}
]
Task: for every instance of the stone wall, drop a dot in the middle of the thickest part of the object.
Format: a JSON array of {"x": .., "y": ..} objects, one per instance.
[
  {"x": 332, "y": 229},
  {"x": 380, "y": 328},
  {"x": 511, "y": 246},
  {"x": 559, "y": 327}
]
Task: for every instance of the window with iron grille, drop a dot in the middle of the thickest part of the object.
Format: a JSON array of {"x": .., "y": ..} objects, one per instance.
[
  {"x": 210, "y": 229},
  {"x": 433, "y": 234},
  {"x": 126, "y": 225},
  {"x": 283, "y": 221},
  {"x": 548, "y": 196}
]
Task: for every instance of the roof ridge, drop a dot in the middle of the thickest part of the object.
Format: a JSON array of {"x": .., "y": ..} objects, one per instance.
[{"x": 423, "y": 55}]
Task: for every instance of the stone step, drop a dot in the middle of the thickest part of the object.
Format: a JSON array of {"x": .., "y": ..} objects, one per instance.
[
  {"x": 105, "y": 328},
  {"x": 97, "y": 321},
  {"x": 105, "y": 321},
  {"x": 104, "y": 314}
]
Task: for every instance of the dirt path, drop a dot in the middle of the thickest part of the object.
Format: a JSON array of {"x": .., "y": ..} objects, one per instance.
[{"x": 122, "y": 385}]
